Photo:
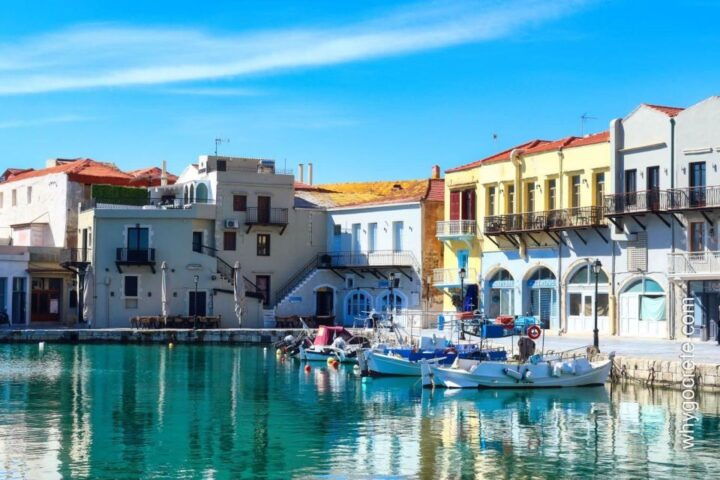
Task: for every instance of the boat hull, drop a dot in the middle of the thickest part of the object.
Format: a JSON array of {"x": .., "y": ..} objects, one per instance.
[
  {"x": 493, "y": 375},
  {"x": 379, "y": 365},
  {"x": 322, "y": 355}
]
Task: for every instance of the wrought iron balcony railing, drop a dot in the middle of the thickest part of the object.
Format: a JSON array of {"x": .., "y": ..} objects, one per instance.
[
  {"x": 266, "y": 216},
  {"x": 136, "y": 256},
  {"x": 456, "y": 228},
  {"x": 450, "y": 277},
  {"x": 694, "y": 198},
  {"x": 561, "y": 219},
  {"x": 636, "y": 202},
  {"x": 696, "y": 264}
]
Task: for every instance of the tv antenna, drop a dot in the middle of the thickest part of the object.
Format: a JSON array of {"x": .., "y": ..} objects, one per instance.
[
  {"x": 218, "y": 141},
  {"x": 584, "y": 118}
]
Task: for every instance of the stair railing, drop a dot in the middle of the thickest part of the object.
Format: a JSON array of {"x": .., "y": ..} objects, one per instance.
[{"x": 295, "y": 280}]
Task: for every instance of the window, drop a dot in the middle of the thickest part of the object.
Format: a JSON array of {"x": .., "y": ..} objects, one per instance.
[
  {"x": 130, "y": 286},
  {"x": 19, "y": 301},
  {"x": 630, "y": 186},
  {"x": 388, "y": 303},
  {"x": 575, "y": 303},
  {"x": 697, "y": 236},
  {"x": 530, "y": 197},
  {"x": 510, "y": 198},
  {"x": 358, "y": 305},
  {"x": 263, "y": 286},
  {"x": 587, "y": 311},
  {"x": 221, "y": 165},
  {"x": 355, "y": 237},
  {"x": 197, "y": 303},
  {"x": 697, "y": 184},
  {"x": 653, "y": 178},
  {"x": 575, "y": 191},
  {"x": 229, "y": 240},
  {"x": 263, "y": 244},
  {"x": 239, "y": 203},
  {"x": 397, "y": 240},
  {"x": 468, "y": 204},
  {"x": 455, "y": 205},
  {"x": 29, "y": 195},
  {"x": 602, "y": 304},
  {"x": 599, "y": 188},
  {"x": 585, "y": 276},
  {"x": 337, "y": 229},
  {"x": 372, "y": 236},
  {"x": 138, "y": 242},
  {"x": 551, "y": 194},
  {"x": 197, "y": 241},
  {"x": 14, "y": 198},
  {"x": 490, "y": 201}
]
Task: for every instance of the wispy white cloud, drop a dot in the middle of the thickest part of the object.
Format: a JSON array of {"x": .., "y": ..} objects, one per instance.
[
  {"x": 94, "y": 56},
  {"x": 214, "y": 91},
  {"x": 35, "y": 122}
]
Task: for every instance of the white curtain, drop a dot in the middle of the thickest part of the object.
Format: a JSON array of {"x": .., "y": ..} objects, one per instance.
[{"x": 652, "y": 308}]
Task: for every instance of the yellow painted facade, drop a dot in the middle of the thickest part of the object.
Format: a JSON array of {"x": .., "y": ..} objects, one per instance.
[{"x": 561, "y": 175}]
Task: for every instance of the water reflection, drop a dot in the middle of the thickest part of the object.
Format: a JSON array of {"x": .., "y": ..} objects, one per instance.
[{"x": 221, "y": 412}]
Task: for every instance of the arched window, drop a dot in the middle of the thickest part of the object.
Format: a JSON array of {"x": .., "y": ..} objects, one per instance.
[
  {"x": 398, "y": 302},
  {"x": 641, "y": 303},
  {"x": 201, "y": 193},
  {"x": 357, "y": 304},
  {"x": 584, "y": 276},
  {"x": 645, "y": 285},
  {"x": 542, "y": 293},
  {"x": 542, "y": 273},
  {"x": 502, "y": 294}
]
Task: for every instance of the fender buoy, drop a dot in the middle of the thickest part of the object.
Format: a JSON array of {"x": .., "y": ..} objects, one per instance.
[
  {"x": 534, "y": 332},
  {"x": 308, "y": 368}
]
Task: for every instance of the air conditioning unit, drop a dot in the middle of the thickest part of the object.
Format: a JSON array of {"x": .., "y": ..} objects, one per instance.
[{"x": 232, "y": 223}]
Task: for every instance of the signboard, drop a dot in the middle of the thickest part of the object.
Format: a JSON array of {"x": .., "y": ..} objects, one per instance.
[
  {"x": 54, "y": 304},
  {"x": 295, "y": 299}
]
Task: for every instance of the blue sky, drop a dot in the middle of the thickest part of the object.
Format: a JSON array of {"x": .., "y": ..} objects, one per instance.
[{"x": 364, "y": 90}]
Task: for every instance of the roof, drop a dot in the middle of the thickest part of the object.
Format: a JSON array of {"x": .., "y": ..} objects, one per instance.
[
  {"x": 86, "y": 170},
  {"x": 669, "y": 111},
  {"x": 352, "y": 194},
  {"x": 151, "y": 176},
  {"x": 537, "y": 146}
]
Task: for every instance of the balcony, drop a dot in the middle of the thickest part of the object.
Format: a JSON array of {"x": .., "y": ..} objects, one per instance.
[
  {"x": 456, "y": 230},
  {"x": 562, "y": 219},
  {"x": 450, "y": 277},
  {"x": 135, "y": 257},
  {"x": 693, "y": 198},
  {"x": 266, "y": 217},
  {"x": 379, "y": 258},
  {"x": 646, "y": 201},
  {"x": 694, "y": 265}
]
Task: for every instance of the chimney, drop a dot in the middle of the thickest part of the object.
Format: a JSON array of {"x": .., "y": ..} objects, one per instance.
[
  {"x": 435, "y": 172},
  {"x": 301, "y": 172},
  {"x": 163, "y": 174},
  {"x": 310, "y": 174}
]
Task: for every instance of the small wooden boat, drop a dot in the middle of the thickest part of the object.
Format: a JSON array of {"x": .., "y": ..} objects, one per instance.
[
  {"x": 561, "y": 370},
  {"x": 333, "y": 342}
]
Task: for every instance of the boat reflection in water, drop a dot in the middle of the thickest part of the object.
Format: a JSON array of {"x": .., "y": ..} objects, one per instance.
[{"x": 106, "y": 411}]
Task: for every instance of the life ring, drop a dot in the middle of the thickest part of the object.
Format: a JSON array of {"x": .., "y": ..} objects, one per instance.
[{"x": 534, "y": 332}]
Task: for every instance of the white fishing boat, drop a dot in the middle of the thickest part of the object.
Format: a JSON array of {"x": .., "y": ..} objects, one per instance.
[
  {"x": 561, "y": 370},
  {"x": 332, "y": 342}
]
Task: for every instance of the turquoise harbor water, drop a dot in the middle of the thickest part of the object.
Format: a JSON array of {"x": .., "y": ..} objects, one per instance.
[{"x": 95, "y": 411}]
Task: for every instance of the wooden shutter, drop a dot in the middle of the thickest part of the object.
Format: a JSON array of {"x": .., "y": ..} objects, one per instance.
[{"x": 455, "y": 205}]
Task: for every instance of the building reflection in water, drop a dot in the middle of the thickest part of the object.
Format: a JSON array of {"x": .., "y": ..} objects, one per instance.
[{"x": 127, "y": 411}]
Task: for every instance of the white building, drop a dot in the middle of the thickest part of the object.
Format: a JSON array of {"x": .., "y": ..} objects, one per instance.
[
  {"x": 221, "y": 211},
  {"x": 376, "y": 232},
  {"x": 38, "y": 216}
]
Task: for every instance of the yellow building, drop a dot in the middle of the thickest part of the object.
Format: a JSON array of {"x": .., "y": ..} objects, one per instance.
[{"x": 524, "y": 225}]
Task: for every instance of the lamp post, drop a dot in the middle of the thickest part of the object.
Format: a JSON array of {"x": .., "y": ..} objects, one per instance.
[
  {"x": 596, "y": 268},
  {"x": 462, "y": 274},
  {"x": 391, "y": 300},
  {"x": 196, "y": 279}
]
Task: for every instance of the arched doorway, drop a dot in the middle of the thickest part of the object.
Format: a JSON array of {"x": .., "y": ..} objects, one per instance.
[
  {"x": 542, "y": 292},
  {"x": 357, "y": 305},
  {"x": 642, "y": 309},
  {"x": 581, "y": 301},
  {"x": 502, "y": 294},
  {"x": 398, "y": 302},
  {"x": 201, "y": 193}
]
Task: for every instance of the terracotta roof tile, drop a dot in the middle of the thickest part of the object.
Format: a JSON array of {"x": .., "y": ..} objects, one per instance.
[
  {"x": 537, "y": 146},
  {"x": 669, "y": 111},
  {"x": 352, "y": 194},
  {"x": 151, "y": 176}
]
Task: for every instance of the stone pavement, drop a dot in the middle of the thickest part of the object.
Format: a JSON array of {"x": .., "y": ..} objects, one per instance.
[{"x": 704, "y": 352}]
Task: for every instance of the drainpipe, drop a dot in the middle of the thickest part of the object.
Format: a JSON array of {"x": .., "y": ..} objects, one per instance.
[
  {"x": 612, "y": 303},
  {"x": 671, "y": 285},
  {"x": 562, "y": 320},
  {"x": 516, "y": 159}
]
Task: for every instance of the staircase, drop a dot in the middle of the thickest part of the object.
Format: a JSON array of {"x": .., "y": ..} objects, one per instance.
[{"x": 297, "y": 280}]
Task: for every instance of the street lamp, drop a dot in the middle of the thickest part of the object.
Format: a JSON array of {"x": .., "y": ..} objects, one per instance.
[
  {"x": 596, "y": 268},
  {"x": 462, "y": 274},
  {"x": 196, "y": 279},
  {"x": 391, "y": 300}
]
